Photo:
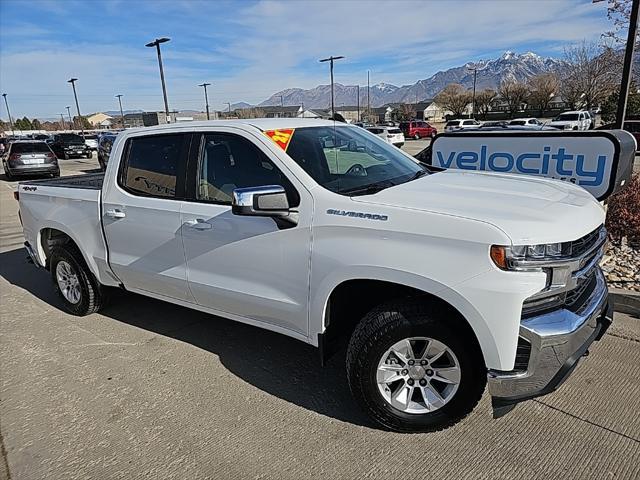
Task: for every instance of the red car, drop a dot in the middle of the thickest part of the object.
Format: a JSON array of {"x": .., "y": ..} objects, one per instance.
[{"x": 417, "y": 129}]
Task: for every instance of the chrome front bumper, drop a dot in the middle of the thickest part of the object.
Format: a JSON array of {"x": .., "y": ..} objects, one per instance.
[{"x": 558, "y": 340}]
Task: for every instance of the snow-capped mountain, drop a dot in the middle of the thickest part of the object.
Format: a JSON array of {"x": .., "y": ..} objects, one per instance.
[{"x": 490, "y": 73}]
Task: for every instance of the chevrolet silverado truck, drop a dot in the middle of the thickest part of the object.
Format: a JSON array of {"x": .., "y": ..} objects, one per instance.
[{"x": 437, "y": 282}]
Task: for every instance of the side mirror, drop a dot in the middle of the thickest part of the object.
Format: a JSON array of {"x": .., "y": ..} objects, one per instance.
[{"x": 266, "y": 201}]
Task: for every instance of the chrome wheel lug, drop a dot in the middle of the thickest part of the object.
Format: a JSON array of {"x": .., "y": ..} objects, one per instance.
[
  {"x": 410, "y": 382},
  {"x": 429, "y": 372},
  {"x": 423, "y": 382},
  {"x": 411, "y": 362},
  {"x": 423, "y": 362},
  {"x": 405, "y": 371}
]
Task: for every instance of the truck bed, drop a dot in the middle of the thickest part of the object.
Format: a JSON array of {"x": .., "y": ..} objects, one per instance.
[{"x": 91, "y": 181}]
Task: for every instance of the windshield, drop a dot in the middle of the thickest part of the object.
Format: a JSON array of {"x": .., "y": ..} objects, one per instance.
[
  {"x": 517, "y": 122},
  {"x": 350, "y": 161},
  {"x": 70, "y": 138},
  {"x": 566, "y": 117}
]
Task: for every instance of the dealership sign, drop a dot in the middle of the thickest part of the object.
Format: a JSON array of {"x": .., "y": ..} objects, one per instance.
[{"x": 599, "y": 161}]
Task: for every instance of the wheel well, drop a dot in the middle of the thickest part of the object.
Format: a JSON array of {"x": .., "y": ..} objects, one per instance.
[
  {"x": 49, "y": 238},
  {"x": 350, "y": 301}
]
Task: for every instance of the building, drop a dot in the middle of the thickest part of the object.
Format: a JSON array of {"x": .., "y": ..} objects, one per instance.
[{"x": 100, "y": 120}]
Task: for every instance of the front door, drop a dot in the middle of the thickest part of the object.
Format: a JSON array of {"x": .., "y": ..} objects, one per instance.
[
  {"x": 141, "y": 216},
  {"x": 245, "y": 266}
]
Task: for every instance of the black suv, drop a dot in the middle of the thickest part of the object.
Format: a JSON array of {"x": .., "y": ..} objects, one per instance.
[{"x": 67, "y": 145}]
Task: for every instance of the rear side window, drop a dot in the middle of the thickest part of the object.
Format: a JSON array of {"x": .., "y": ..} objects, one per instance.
[
  {"x": 152, "y": 165},
  {"x": 394, "y": 130},
  {"x": 453, "y": 124},
  {"x": 30, "y": 148},
  {"x": 375, "y": 130}
]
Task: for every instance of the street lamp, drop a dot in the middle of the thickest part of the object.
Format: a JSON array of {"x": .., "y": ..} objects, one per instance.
[
  {"x": 62, "y": 120},
  {"x": 227, "y": 103},
  {"x": 156, "y": 43},
  {"x": 73, "y": 81},
  {"x": 69, "y": 114},
  {"x": 119, "y": 97},
  {"x": 473, "y": 101},
  {"x": 8, "y": 112},
  {"x": 330, "y": 60},
  {"x": 206, "y": 98}
]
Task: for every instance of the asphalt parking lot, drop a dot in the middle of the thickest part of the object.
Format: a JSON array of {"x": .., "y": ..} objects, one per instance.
[{"x": 148, "y": 389}]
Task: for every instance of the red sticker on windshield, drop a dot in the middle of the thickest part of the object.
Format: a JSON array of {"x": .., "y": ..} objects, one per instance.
[{"x": 281, "y": 137}]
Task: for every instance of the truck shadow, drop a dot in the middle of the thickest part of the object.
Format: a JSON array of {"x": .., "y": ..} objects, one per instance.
[{"x": 276, "y": 364}]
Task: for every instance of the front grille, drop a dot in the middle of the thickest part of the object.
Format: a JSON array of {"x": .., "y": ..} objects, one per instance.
[
  {"x": 584, "y": 244},
  {"x": 523, "y": 352},
  {"x": 575, "y": 298}
]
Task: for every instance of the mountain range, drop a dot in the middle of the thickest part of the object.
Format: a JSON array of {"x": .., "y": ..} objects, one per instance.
[{"x": 490, "y": 73}]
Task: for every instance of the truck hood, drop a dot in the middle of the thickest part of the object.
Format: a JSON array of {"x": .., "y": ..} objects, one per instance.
[
  {"x": 562, "y": 123},
  {"x": 528, "y": 209}
]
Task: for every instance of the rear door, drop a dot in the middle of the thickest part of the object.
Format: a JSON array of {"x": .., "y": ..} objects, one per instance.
[
  {"x": 141, "y": 215},
  {"x": 245, "y": 266}
]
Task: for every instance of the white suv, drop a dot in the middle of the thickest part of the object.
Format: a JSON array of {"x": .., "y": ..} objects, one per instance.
[
  {"x": 392, "y": 135},
  {"x": 575, "y": 120},
  {"x": 460, "y": 124}
]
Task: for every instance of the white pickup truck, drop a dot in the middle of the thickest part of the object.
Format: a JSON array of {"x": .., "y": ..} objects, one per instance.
[{"x": 437, "y": 282}]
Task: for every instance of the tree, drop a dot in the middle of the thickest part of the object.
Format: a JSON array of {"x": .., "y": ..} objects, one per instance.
[
  {"x": 249, "y": 113},
  {"x": 23, "y": 124},
  {"x": 610, "y": 105},
  {"x": 542, "y": 88},
  {"x": 590, "y": 74},
  {"x": 618, "y": 12},
  {"x": 86, "y": 125},
  {"x": 454, "y": 97},
  {"x": 35, "y": 123},
  {"x": 514, "y": 93},
  {"x": 483, "y": 101},
  {"x": 405, "y": 111}
]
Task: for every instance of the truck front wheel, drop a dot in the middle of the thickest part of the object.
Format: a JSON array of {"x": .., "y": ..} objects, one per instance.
[
  {"x": 413, "y": 368},
  {"x": 74, "y": 282}
]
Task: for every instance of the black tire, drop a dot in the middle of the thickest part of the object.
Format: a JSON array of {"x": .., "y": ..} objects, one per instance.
[
  {"x": 8, "y": 174},
  {"x": 92, "y": 294},
  {"x": 392, "y": 322}
]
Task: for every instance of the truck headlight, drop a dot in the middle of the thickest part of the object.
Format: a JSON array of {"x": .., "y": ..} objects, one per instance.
[{"x": 528, "y": 257}]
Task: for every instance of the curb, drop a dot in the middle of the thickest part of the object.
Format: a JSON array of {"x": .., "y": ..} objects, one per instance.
[{"x": 625, "y": 301}]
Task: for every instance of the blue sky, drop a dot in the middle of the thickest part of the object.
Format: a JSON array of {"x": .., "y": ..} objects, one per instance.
[{"x": 251, "y": 49}]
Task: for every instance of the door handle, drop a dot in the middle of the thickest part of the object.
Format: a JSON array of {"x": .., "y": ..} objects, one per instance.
[
  {"x": 198, "y": 224},
  {"x": 115, "y": 213}
]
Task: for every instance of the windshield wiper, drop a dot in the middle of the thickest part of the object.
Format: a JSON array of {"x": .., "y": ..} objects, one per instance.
[
  {"x": 419, "y": 173},
  {"x": 369, "y": 189}
]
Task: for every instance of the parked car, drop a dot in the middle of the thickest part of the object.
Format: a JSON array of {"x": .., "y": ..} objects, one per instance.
[
  {"x": 30, "y": 157},
  {"x": 494, "y": 123},
  {"x": 392, "y": 135},
  {"x": 91, "y": 141},
  {"x": 417, "y": 129},
  {"x": 105, "y": 142},
  {"x": 460, "y": 124},
  {"x": 68, "y": 145},
  {"x": 575, "y": 120},
  {"x": 438, "y": 283},
  {"x": 517, "y": 122},
  {"x": 631, "y": 126}
]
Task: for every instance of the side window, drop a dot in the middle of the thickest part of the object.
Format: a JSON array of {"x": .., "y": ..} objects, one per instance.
[
  {"x": 228, "y": 162},
  {"x": 152, "y": 165}
]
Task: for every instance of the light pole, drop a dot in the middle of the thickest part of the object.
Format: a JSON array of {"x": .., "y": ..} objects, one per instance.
[
  {"x": 8, "y": 112},
  {"x": 156, "y": 43},
  {"x": 473, "y": 101},
  {"x": 119, "y": 97},
  {"x": 69, "y": 115},
  {"x": 206, "y": 98},
  {"x": 282, "y": 104},
  {"x": 227, "y": 103},
  {"x": 73, "y": 81},
  {"x": 628, "y": 64},
  {"x": 368, "y": 98},
  {"x": 62, "y": 119},
  {"x": 330, "y": 60},
  {"x": 358, "y": 103}
]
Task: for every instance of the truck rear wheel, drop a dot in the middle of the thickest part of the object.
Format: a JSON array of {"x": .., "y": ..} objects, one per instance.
[
  {"x": 73, "y": 281},
  {"x": 414, "y": 369}
]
